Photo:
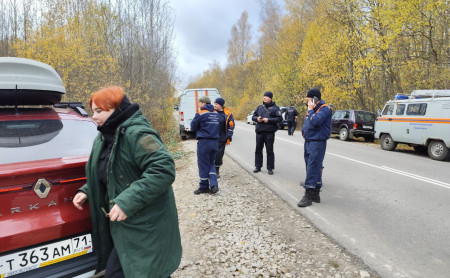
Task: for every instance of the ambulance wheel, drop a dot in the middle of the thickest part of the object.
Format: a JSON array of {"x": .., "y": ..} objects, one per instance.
[
  {"x": 437, "y": 150},
  {"x": 387, "y": 143},
  {"x": 183, "y": 135},
  {"x": 343, "y": 134}
]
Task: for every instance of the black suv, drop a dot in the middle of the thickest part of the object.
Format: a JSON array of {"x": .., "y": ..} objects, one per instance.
[{"x": 353, "y": 123}]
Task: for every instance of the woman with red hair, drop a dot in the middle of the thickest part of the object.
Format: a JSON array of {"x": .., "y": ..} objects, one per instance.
[{"x": 129, "y": 188}]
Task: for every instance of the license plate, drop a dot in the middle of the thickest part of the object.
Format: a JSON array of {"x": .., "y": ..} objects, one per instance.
[
  {"x": 45, "y": 255},
  {"x": 367, "y": 127}
]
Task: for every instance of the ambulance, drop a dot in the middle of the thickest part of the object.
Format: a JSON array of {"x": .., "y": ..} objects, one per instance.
[
  {"x": 188, "y": 107},
  {"x": 420, "y": 120}
]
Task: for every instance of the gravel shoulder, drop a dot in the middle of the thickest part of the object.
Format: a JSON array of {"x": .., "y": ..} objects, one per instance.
[{"x": 246, "y": 230}]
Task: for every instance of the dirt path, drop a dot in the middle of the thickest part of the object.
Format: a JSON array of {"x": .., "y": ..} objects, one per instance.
[{"x": 245, "y": 230}]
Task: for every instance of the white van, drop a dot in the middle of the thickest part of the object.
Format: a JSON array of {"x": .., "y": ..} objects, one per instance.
[
  {"x": 189, "y": 106},
  {"x": 421, "y": 120}
]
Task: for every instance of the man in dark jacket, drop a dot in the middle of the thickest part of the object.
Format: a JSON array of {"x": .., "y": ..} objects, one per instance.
[
  {"x": 266, "y": 116},
  {"x": 226, "y": 128},
  {"x": 206, "y": 126},
  {"x": 291, "y": 117},
  {"x": 316, "y": 131}
]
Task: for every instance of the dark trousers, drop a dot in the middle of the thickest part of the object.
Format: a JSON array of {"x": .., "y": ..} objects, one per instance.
[
  {"x": 291, "y": 127},
  {"x": 113, "y": 267},
  {"x": 220, "y": 153},
  {"x": 314, "y": 153},
  {"x": 267, "y": 139},
  {"x": 206, "y": 156}
]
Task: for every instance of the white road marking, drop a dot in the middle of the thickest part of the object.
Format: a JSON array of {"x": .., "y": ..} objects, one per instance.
[{"x": 385, "y": 168}]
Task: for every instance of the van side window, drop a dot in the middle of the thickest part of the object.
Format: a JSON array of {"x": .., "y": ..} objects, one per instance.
[
  {"x": 388, "y": 110},
  {"x": 400, "y": 109},
  {"x": 416, "y": 109}
]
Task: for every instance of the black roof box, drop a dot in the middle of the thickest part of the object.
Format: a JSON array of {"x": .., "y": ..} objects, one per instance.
[{"x": 28, "y": 82}]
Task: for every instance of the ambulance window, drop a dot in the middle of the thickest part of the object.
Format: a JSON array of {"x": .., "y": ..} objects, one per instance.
[
  {"x": 388, "y": 110},
  {"x": 400, "y": 109},
  {"x": 416, "y": 109}
]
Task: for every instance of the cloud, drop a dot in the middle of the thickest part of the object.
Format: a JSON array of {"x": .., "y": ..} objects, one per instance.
[{"x": 202, "y": 30}]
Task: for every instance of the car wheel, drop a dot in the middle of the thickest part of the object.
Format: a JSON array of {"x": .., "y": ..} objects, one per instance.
[
  {"x": 343, "y": 134},
  {"x": 387, "y": 143},
  {"x": 437, "y": 150}
]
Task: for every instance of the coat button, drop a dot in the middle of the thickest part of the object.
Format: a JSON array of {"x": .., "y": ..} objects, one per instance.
[
  {"x": 121, "y": 177},
  {"x": 110, "y": 201}
]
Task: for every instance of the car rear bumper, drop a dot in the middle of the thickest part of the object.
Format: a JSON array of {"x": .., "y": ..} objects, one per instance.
[
  {"x": 75, "y": 267},
  {"x": 361, "y": 132}
]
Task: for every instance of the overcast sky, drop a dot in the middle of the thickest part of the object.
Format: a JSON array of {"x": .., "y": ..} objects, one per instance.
[{"x": 202, "y": 30}]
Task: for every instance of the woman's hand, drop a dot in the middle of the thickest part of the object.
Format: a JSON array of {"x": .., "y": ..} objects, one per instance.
[
  {"x": 116, "y": 213},
  {"x": 79, "y": 200}
]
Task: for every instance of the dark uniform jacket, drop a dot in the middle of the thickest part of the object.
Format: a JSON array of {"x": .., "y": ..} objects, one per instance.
[
  {"x": 270, "y": 111},
  {"x": 206, "y": 123},
  {"x": 291, "y": 113},
  {"x": 317, "y": 123},
  {"x": 140, "y": 173}
]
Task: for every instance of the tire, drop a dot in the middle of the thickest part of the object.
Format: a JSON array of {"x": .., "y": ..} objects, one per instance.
[
  {"x": 343, "y": 134},
  {"x": 437, "y": 150},
  {"x": 183, "y": 135},
  {"x": 369, "y": 138},
  {"x": 387, "y": 143}
]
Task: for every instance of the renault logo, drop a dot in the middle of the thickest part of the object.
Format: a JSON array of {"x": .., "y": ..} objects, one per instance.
[{"x": 42, "y": 188}]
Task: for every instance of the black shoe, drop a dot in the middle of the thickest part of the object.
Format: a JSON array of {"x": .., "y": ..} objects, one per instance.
[
  {"x": 257, "y": 170},
  {"x": 214, "y": 189},
  {"x": 270, "y": 171},
  {"x": 316, "y": 195},
  {"x": 201, "y": 191},
  {"x": 307, "y": 198}
]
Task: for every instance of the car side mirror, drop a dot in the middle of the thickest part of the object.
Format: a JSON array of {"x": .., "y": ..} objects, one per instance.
[
  {"x": 378, "y": 112},
  {"x": 175, "y": 107}
]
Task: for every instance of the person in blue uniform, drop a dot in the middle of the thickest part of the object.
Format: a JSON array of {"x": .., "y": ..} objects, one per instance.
[
  {"x": 291, "y": 117},
  {"x": 206, "y": 125},
  {"x": 266, "y": 116},
  {"x": 316, "y": 131},
  {"x": 226, "y": 128}
]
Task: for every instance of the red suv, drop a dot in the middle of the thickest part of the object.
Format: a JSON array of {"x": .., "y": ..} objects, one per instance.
[{"x": 44, "y": 146}]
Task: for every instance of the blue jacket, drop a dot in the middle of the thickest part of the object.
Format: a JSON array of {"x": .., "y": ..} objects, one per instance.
[
  {"x": 317, "y": 123},
  {"x": 206, "y": 123}
]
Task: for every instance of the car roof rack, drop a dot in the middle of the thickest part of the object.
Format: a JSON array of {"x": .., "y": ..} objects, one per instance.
[{"x": 77, "y": 106}]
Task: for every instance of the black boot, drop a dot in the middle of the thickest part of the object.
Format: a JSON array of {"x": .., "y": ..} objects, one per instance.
[
  {"x": 217, "y": 171},
  {"x": 316, "y": 197},
  {"x": 307, "y": 198}
]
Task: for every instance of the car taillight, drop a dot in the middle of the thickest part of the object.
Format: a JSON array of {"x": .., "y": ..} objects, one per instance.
[
  {"x": 182, "y": 116},
  {"x": 355, "y": 126}
]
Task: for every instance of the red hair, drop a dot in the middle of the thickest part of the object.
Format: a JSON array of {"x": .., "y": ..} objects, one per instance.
[{"x": 107, "y": 98}]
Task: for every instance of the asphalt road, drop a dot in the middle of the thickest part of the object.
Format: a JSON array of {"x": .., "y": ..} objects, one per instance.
[{"x": 391, "y": 209}]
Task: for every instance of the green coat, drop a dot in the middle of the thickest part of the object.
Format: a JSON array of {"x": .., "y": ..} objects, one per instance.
[{"x": 140, "y": 176}]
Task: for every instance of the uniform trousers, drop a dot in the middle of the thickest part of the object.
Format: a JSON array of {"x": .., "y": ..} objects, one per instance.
[
  {"x": 291, "y": 127},
  {"x": 265, "y": 139},
  {"x": 314, "y": 153},
  {"x": 220, "y": 153},
  {"x": 206, "y": 156}
]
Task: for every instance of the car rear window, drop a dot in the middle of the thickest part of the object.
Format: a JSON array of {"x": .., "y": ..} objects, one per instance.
[
  {"x": 32, "y": 140},
  {"x": 365, "y": 116}
]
